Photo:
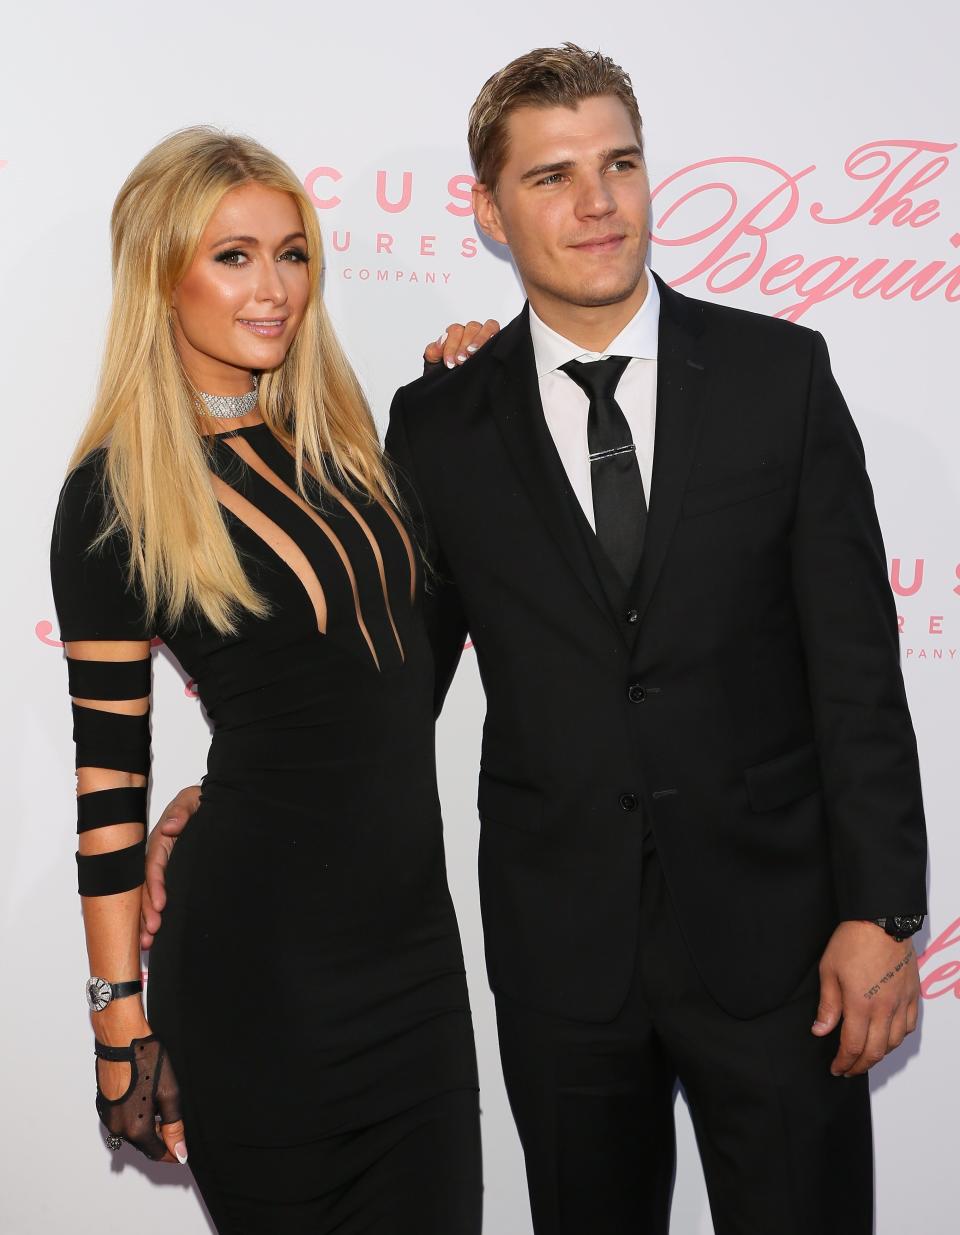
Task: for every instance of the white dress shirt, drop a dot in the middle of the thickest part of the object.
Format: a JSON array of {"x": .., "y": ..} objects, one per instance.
[{"x": 565, "y": 405}]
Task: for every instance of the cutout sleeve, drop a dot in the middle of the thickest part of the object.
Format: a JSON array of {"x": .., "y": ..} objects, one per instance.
[{"x": 96, "y": 603}]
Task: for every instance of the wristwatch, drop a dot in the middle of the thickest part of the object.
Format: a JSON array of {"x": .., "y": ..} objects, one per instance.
[
  {"x": 100, "y": 992},
  {"x": 900, "y": 928}
]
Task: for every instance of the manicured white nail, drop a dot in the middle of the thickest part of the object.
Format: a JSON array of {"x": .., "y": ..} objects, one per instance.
[
  {"x": 442, "y": 339},
  {"x": 472, "y": 347},
  {"x": 461, "y": 359},
  {"x": 180, "y": 1150},
  {"x": 451, "y": 364}
]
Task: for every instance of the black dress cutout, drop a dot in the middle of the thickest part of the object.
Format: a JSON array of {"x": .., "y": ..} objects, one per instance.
[{"x": 308, "y": 978}]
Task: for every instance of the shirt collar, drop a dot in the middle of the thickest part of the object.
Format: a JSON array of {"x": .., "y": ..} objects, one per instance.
[{"x": 638, "y": 338}]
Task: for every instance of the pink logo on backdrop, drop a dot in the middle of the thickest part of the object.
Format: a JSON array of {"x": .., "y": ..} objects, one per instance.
[
  {"x": 945, "y": 978},
  {"x": 926, "y": 597},
  {"x": 44, "y": 632},
  {"x": 388, "y": 255},
  {"x": 730, "y": 217}
]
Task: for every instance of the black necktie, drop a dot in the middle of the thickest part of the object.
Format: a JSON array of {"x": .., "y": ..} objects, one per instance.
[{"x": 619, "y": 503}]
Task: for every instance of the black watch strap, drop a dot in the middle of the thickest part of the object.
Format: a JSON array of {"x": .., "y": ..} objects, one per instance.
[
  {"x": 900, "y": 927},
  {"x": 122, "y": 989}
]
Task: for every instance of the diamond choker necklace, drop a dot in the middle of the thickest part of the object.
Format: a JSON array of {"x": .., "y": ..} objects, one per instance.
[{"x": 226, "y": 407}]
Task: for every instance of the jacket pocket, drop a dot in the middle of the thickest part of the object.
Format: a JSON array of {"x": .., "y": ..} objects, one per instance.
[
  {"x": 729, "y": 491},
  {"x": 783, "y": 780},
  {"x": 514, "y": 806}
]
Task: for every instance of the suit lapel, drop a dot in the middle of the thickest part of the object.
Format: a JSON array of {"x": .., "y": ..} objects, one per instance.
[
  {"x": 680, "y": 380},
  {"x": 518, "y": 411}
]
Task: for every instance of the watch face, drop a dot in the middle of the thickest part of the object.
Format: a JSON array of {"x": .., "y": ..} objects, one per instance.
[{"x": 99, "y": 994}]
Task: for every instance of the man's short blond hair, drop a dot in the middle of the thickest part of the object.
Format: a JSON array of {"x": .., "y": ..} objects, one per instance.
[{"x": 546, "y": 77}]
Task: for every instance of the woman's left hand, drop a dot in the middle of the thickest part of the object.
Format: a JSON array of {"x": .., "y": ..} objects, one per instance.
[{"x": 458, "y": 343}]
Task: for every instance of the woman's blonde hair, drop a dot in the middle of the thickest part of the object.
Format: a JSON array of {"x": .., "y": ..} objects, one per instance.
[{"x": 145, "y": 415}]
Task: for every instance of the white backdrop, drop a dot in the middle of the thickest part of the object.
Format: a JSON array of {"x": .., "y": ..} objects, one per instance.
[{"x": 804, "y": 162}]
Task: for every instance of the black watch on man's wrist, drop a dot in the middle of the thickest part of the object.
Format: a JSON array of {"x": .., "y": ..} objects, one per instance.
[{"x": 900, "y": 928}]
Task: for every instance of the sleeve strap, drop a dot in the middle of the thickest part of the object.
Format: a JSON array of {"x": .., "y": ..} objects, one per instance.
[
  {"x": 109, "y": 679},
  {"x": 104, "y": 874},
  {"x": 104, "y": 807},
  {"x": 111, "y": 740}
]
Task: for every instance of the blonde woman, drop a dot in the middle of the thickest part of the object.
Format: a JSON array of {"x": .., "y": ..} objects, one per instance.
[{"x": 311, "y": 1038}]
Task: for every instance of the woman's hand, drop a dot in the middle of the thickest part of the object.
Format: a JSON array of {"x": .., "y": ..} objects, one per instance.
[
  {"x": 458, "y": 343},
  {"x": 138, "y": 1099}
]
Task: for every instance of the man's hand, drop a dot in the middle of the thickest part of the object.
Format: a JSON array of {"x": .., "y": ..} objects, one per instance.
[
  {"x": 872, "y": 983},
  {"x": 153, "y": 897},
  {"x": 458, "y": 343}
]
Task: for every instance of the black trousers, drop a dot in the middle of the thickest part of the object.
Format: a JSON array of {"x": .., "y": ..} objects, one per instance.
[{"x": 786, "y": 1147}]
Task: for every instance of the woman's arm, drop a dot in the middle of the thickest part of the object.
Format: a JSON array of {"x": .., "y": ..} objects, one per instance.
[{"x": 107, "y": 643}]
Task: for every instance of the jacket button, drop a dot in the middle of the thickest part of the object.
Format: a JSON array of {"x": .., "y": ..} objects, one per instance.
[
  {"x": 636, "y": 693},
  {"x": 632, "y": 616},
  {"x": 629, "y": 801}
]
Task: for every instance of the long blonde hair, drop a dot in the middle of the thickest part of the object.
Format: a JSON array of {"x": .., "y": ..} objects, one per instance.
[{"x": 145, "y": 416}]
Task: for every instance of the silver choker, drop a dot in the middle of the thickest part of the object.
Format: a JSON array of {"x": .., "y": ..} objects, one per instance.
[{"x": 227, "y": 407}]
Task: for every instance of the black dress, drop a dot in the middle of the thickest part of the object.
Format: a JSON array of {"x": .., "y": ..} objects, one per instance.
[{"x": 308, "y": 978}]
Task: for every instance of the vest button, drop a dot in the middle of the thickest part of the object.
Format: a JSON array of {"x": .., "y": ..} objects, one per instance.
[
  {"x": 636, "y": 693},
  {"x": 629, "y": 801},
  {"x": 632, "y": 616}
]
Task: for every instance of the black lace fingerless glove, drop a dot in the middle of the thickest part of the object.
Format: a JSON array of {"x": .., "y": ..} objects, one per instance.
[{"x": 152, "y": 1095}]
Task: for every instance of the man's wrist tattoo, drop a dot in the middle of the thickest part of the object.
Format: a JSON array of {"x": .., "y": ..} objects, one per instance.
[{"x": 892, "y": 973}]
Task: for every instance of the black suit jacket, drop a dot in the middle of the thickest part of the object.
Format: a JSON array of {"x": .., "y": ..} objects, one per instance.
[{"x": 745, "y": 698}]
